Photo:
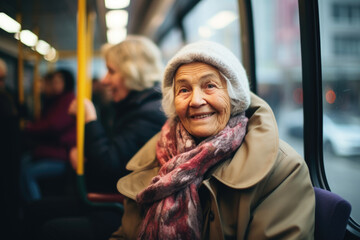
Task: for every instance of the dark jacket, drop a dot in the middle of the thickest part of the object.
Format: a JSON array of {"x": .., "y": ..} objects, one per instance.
[
  {"x": 7, "y": 105},
  {"x": 55, "y": 132},
  {"x": 138, "y": 117}
]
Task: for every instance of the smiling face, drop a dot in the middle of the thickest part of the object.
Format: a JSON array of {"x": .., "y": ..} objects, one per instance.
[
  {"x": 115, "y": 82},
  {"x": 202, "y": 101}
]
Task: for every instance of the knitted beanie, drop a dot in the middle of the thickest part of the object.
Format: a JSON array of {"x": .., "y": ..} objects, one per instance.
[{"x": 222, "y": 59}]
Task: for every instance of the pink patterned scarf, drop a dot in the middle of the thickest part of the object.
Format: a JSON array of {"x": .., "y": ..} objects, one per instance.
[{"x": 174, "y": 206}]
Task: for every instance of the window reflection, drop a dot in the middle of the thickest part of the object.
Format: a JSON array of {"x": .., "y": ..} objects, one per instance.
[
  {"x": 278, "y": 65},
  {"x": 171, "y": 43},
  {"x": 212, "y": 21},
  {"x": 208, "y": 20},
  {"x": 340, "y": 50}
]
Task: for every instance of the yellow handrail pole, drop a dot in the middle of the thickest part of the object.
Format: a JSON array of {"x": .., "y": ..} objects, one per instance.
[
  {"x": 36, "y": 83},
  {"x": 90, "y": 44},
  {"x": 20, "y": 73},
  {"x": 81, "y": 48},
  {"x": 36, "y": 87},
  {"x": 20, "y": 65}
]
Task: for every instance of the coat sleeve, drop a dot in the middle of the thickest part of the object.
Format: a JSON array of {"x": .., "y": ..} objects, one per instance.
[
  {"x": 131, "y": 221},
  {"x": 287, "y": 208},
  {"x": 107, "y": 157}
]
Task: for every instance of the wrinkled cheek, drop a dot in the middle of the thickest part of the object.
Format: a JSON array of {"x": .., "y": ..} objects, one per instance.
[
  {"x": 180, "y": 110},
  {"x": 224, "y": 116},
  {"x": 222, "y": 121}
]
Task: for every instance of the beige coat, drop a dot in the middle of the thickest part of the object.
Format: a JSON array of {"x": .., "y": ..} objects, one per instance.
[{"x": 263, "y": 192}]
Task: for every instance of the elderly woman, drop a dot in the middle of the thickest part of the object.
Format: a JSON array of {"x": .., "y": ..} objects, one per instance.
[{"x": 217, "y": 170}]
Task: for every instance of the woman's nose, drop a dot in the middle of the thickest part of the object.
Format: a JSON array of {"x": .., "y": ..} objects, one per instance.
[{"x": 197, "y": 98}]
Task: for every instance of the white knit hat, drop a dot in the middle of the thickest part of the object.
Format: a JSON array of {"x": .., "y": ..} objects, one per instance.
[{"x": 219, "y": 57}]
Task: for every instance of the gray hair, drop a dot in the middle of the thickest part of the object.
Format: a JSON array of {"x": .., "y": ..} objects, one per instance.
[
  {"x": 217, "y": 56},
  {"x": 138, "y": 59}
]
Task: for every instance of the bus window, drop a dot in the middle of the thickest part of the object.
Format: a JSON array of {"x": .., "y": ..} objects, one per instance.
[
  {"x": 340, "y": 56},
  {"x": 278, "y": 65},
  {"x": 212, "y": 21},
  {"x": 171, "y": 43}
]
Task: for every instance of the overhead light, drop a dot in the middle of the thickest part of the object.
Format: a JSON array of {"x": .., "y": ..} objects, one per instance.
[
  {"x": 222, "y": 19},
  {"x": 116, "y": 4},
  {"x": 116, "y": 35},
  {"x": 28, "y": 38},
  {"x": 17, "y": 35},
  {"x": 42, "y": 47},
  {"x": 9, "y": 24},
  {"x": 205, "y": 32},
  {"x": 51, "y": 56},
  {"x": 116, "y": 18}
]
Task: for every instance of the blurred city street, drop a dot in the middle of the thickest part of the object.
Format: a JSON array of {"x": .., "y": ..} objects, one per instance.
[{"x": 342, "y": 173}]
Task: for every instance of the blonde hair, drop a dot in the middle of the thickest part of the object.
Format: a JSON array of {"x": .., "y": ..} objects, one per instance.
[{"x": 139, "y": 61}]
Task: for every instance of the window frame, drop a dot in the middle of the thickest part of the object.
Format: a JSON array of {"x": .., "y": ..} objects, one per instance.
[
  {"x": 248, "y": 41},
  {"x": 312, "y": 103},
  {"x": 311, "y": 83}
]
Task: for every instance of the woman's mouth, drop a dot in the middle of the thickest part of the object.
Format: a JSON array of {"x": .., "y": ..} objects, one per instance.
[{"x": 201, "y": 116}]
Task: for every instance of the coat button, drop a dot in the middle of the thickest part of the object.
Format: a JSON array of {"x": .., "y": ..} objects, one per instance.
[{"x": 211, "y": 216}]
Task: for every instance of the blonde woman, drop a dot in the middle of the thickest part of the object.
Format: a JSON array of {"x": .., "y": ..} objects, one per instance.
[{"x": 134, "y": 71}]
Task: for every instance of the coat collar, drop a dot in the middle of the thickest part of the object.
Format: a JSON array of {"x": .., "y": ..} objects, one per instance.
[
  {"x": 250, "y": 164},
  {"x": 257, "y": 154},
  {"x": 137, "y": 98}
]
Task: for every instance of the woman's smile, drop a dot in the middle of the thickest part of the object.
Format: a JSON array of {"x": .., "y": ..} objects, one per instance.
[{"x": 201, "y": 116}]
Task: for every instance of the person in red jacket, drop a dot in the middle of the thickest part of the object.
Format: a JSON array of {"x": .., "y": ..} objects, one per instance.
[{"x": 52, "y": 136}]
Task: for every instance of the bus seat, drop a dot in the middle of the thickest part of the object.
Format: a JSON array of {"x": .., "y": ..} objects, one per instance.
[
  {"x": 105, "y": 197},
  {"x": 332, "y": 213}
]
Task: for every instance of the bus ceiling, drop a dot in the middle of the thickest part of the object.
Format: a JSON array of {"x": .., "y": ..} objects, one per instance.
[{"x": 55, "y": 22}]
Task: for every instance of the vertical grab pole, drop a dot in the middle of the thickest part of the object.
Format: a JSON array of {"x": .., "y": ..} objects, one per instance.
[
  {"x": 20, "y": 66},
  {"x": 81, "y": 92},
  {"x": 36, "y": 85},
  {"x": 81, "y": 75},
  {"x": 89, "y": 45},
  {"x": 36, "y": 88},
  {"x": 21, "y": 97}
]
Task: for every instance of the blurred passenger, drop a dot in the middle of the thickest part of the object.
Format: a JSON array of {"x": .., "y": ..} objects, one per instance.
[
  {"x": 217, "y": 170},
  {"x": 52, "y": 136},
  {"x": 134, "y": 72},
  {"x": 7, "y": 103},
  {"x": 9, "y": 155}
]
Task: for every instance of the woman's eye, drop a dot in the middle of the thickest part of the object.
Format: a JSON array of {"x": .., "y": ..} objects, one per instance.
[
  {"x": 210, "y": 85},
  {"x": 183, "y": 90}
]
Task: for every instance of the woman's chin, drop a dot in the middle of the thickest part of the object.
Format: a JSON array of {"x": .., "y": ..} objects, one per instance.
[{"x": 202, "y": 133}]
